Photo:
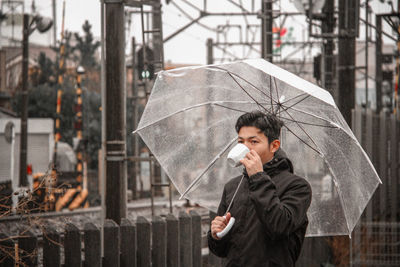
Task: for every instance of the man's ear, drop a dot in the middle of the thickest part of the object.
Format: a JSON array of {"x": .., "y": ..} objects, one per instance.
[{"x": 274, "y": 146}]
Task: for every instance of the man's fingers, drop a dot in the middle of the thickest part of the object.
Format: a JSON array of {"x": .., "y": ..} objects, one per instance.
[
  {"x": 219, "y": 222},
  {"x": 244, "y": 161},
  {"x": 219, "y": 218},
  {"x": 254, "y": 154},
  {"x": 249, "y": 156},
  {"x": 228, "y": 217}
]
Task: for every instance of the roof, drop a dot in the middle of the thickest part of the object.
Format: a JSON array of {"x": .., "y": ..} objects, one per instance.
[
  {"x": 6, "y": 113},
  {"x": 14, "y": 54}
]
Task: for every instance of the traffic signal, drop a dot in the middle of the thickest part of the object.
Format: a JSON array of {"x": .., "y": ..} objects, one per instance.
[
  {"x": 387, "y": 90},
  {"x": 317, "y": 67},
  {"x": 145, "y": 67}
]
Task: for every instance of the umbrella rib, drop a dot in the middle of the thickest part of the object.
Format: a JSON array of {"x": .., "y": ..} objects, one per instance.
[
  {"x": 270, "y": 93},
  {"x": 339, "y": 193},
  {"x": 189, "y": 108},
  {"x": 334, "y": 125},
  {"x": 277, "y": 96},
  {"x": 255, "y": 87},
  {"x": 321, "y": 118},
  {"x": 207, "y": 168},
  {"x": 308, "y": 123},
  {"x": 281, "y": 117},
  {"x": 341, "y": 197},
  {"x": 302, "y": 140},
  {"x": 296, "y": 97},
  {"x": 301, "y": 128},
  {"x": 234, "y": 109},
  {"x": 247, "y": 92},
  {"x": 301, "y": 100}
]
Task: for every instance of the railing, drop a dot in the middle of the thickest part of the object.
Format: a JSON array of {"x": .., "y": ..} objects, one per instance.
[{"x": 163, "y": 241}]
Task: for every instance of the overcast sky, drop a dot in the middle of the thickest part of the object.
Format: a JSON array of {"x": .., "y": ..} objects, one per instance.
[{"x": 190, "y": 45}]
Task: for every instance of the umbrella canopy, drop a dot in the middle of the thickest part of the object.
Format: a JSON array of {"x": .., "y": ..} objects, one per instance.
[{"x": 189, "y": 120}]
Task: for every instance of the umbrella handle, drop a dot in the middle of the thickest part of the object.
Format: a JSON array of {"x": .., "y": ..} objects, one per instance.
[{"x": 227, "y": 228}]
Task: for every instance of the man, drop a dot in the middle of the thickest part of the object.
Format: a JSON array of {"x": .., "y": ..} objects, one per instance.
[{"x": 270, "y": 205}]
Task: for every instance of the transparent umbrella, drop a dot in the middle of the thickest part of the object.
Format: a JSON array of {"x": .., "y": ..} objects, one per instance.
[{"x": 189, "y": 120}]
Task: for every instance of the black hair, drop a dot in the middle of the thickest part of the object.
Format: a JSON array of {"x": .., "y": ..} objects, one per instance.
[{"x": 269, "y": 124}]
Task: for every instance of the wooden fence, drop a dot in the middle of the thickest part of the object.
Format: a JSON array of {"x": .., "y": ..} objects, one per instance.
[
  {"x": 171, "y": 241},
  {"x": 376, "y": 238},
  {"x": 163, "y": 241}
]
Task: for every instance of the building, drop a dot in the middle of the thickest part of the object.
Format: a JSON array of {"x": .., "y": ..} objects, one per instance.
[{"x": 40, "y": 147}]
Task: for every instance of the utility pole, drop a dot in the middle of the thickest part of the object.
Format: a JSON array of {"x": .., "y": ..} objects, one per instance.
[
  {"x": 115, "y": 115},
  {"x": 157, "y": 33},
  {"x": 24, "y": 112},
  {"x": 396, "y": 110},
  {"x": 346, "y": 59},
  {"x": 378, "y": 62},
  {"x": 135, "y": 95},
  {"x": 266, "y": 30},
  {"x": 328, "y": 26},
  {"x": 55, "y": 23}
]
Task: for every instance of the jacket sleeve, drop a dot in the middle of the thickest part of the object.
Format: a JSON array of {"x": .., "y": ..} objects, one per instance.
[
  {"x": 219, "y": 247},
  {"x": 280, "y": 216}
]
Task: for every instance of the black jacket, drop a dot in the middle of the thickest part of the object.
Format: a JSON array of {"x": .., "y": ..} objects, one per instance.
[{"x": 270, "y": 211}]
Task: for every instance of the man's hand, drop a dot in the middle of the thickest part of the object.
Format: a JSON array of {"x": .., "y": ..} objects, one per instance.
[
  {"x": 252, "y": 162},
  {"x": 219, "y": 224}
]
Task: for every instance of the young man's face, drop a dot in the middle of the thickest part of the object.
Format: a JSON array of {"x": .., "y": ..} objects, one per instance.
[{"x": 255, "y": 139}]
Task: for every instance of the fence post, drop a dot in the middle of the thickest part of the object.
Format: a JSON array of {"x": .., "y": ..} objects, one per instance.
[
  {"x": 172, "y": 241},
  {"x": 92, "y": 245},
  {"x": 383, "y": 164},
  {"x": 196, "y": 238},
  {"x": 376, "y": 142},
  {"x": 72, "y": 246},
  {"x": 369, "y": 150},
  {"x": 111, "y": 244},
  {"x": 51, "y": 247},
  {"x": 358, "y": 124},
  {"x": 185, "y": 236},
  {"x": 394, "y": 164},
  {"x": 128, "y": 243},
  {"x": 143, "y": 235},
  {"x": 7, "y": 251},
  {"x": 213, "y": 260},
  {"x": 27, "y": 245},
  {"x": 159, "y": 240}
]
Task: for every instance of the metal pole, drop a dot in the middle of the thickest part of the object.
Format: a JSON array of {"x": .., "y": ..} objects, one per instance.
[
  {"x": 396, "y": 110},
  {"x": 24, "y": 111},
  {"x": 378, "y": 63},
  {"x": 55, "y": 23},
  {"x": 157, "y": 40},
  {"x": 78, "y": 129},
  {"x": 135, "y": 119},
  {"x": 366, "y": 51},
  {"x": 346, "y": 58},
  {"x": 328, "y": 26},
  {"x": 158, "y": 60},
  {"x": 210, "y": 55},
  {"x": 266, "y": 30},
  {"x": 13, "y": 181},
  {"x": 115, "y": 115},
  {"x": 103, "y": 126}
]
